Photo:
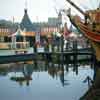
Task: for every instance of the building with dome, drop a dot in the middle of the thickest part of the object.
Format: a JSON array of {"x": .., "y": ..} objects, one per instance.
[
  {"x": 26, "y": 23},
  {"x": 27, "y": 27}
]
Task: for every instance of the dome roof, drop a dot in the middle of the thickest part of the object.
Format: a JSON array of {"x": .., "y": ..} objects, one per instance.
[{"x": 26, "y": 22}]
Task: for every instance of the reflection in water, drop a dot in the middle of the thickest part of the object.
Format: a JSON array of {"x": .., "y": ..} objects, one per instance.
[
  {"x": 88, "y": 80},
  {"x": 54, "y": 70},
  {"x": 24, "y": 73},
  {"x": 26, "y": 70}
]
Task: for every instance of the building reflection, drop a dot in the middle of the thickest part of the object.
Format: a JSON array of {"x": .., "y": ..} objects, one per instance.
[
  {"x": 25, "y": 77},
  {"x": 22, "y": 73}
]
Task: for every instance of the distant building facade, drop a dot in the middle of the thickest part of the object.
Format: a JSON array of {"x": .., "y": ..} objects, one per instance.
[
  {"x": 48, "y": 30},
  {"x": 51, "y": 26},
  {"x": 53, "y": 21},
  {"x": 5, "y": 33}
]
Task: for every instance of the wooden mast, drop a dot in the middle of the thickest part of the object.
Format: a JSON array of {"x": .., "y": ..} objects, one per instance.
[{"x": 74, "y": 5}]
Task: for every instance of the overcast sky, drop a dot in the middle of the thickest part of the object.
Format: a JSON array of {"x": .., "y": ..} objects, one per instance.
[{"x": 38, "y": 10}]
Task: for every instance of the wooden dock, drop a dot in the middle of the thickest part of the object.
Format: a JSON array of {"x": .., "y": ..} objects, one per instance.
[{"x": 33, "y": 56}]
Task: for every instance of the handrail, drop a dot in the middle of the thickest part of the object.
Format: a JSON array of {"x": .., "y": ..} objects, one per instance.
[{"x": 10, "y": 45}]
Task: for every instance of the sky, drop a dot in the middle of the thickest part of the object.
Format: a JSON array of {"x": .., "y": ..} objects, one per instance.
[{"x": 38, "y": 10}]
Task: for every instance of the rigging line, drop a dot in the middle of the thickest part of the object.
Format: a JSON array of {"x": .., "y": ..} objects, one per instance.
[
  {"x": 55, "y": 7},
  {"x": 55, "y": 2},
  {"x": 57, "y": 12},
  {"x": 67, "y": 4},
  {"x": 98, "y": 2},
  {"x": 81, "y": 5},
  {"x": 75, "y": 6},
  {"x": 60, "y": 6},
  {"x": 85, "y": 7},
  {"x": 26, "y": 3},
  {"x": 92, "y": 4}
]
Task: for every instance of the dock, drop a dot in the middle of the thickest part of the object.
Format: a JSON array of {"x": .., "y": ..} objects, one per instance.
[{"x": 33, "y": 56}]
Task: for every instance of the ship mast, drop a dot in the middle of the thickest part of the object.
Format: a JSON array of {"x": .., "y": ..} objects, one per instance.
[
  {"x": 86, "y": 15},
  {"x": 75, "y": 6}
]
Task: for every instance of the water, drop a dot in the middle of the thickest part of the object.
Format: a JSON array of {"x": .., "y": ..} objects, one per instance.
[{"x": 43, "y": 81}]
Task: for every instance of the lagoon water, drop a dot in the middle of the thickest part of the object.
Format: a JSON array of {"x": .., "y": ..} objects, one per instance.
[{"x": 43, "y": 81}]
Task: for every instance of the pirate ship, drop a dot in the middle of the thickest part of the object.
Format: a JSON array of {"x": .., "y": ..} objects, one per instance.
[{"x": 90, "y": 26}]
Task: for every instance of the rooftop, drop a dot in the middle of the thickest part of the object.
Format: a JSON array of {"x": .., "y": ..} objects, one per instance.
[{"x": 26, "y": 23}]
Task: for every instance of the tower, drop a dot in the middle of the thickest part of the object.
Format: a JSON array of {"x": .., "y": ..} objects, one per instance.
[
  {"x": 26, "y": 22},
  {"x": 59, "y": 19}
]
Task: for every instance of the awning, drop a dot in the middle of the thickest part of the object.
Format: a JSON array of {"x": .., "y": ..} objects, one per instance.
[{"x": 19, "y": 32}]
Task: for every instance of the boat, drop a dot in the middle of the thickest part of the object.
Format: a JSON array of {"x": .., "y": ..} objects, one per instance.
[{"x": 90, "y": 26}]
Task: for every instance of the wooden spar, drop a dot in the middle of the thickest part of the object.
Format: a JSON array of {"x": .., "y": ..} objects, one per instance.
[{"x": 74, "y": 5}]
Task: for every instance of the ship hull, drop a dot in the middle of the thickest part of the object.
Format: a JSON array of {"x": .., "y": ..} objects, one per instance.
[{"x": 94, "y": 37}]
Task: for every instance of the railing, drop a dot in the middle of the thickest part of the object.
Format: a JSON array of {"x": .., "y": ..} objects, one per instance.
[
  {"x": 16, "y": 45},
  {"x": 20, "y": 45},
  {"x": 4, "y": 45}
]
